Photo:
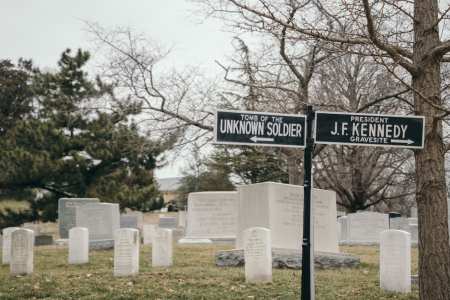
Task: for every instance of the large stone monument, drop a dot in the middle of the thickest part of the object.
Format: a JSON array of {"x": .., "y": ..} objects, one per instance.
[
  {"x": 162, "y": 253},
  {"x": 213, "y": 216},
  {"x": 258, "y": 255},
  {"x": 126, "y": 252},
  {"x": 66, "y": 216},
  {"x": 364, "y": 228},
  {"x": 279, "y": 208},
  {"x": 102, "y": 220},
  {"x": 78, "y": 245},
  {"x": 395, "y": 261},
  {"x": 22, "y": 252},
  {"x": 6, "y": 250}
]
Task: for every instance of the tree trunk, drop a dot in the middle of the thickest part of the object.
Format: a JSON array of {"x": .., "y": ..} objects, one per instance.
[{"x": 431, "y": 193}]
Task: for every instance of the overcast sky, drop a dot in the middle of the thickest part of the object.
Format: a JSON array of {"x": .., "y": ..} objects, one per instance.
[{"x": 42, "y": 30}]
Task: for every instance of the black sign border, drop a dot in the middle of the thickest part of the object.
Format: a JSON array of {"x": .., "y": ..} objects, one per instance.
[
  {"x": 256, "y": 113},
  {"x": 370, "y": 145}
]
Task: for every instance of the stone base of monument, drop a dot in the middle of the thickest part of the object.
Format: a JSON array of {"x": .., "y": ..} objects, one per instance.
[
  {"x": 195, "y": 241},
  {"x": 62, "y": 242},
  {"x": 290, "y": 259},
  {"x": 101, "y": 244},
  {"x": 414, "y": 244}
]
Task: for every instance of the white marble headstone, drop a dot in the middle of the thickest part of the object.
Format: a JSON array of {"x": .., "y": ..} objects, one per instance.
[
  {"x": 413, "y": 212},
  {"x": 366, "y": 226},
  {"x": 133, "y": 213},
  {"x": 148, "y": 233},
  {"x": 212, "y": 215},
  {"x": 279, "y": 208},
  {"x": 6, "y": 251},
  {"x": 162, "y": 253},
  {"x": 36, "y": 227},
  {"x": 182, "y": 218},
  {"x": 22, "y": 252},
  {"x": 126, "y": 252},
  {"x": 343, "y": 222},
  {"x": 258, "y": 255},
  {"x": 395, "y": 261},
  {"x": 78, "y": 245}
]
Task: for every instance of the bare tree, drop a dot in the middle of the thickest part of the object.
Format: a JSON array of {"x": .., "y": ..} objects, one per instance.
[{"x": 403, "y": 36}]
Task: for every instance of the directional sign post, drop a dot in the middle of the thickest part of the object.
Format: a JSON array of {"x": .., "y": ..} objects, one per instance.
[
  {"x": 259, "y": 129},
  {"x": 369, "y": 130}
]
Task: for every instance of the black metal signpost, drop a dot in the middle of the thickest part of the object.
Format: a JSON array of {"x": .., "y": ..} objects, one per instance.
[{"x": 284, "y": 130}]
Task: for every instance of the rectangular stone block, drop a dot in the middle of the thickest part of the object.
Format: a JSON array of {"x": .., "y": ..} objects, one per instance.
[
  {"x": 258, "y": 255},
  {"x": 182, "y": 219},
  {"x": 148, "y": 233},
  {"x": 177, "y": 234},
  {"x": 129, "y": 222},
  {"x": 133, "y": 213},
  {"x": 126, "y": 252},
  {"x": 279, "y": 208},
  {"x": 78, "y": 245},
  {"x": 169, "y": 223},
  {"x": 413, "y": 212},
  {"x": 6, "y": 251},
  {"x": 102, "y": 220},
  {"x": 43, "y": 240},
  {"x": 162, "y": 253},
  {"x": 212, "y": 215},
  {"x": 67, "y": 213},
  {"x": 366, "y": 226},
  {"x": 22, "y": 252},
  {"x": 36, "y": 227},
  {"x": 343, "y": 222},
  {"x": 395, "y": 261}
]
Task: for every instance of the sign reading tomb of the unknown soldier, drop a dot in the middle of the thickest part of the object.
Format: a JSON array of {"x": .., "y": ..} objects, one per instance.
[
  {"x": 369, "y": 129},
  {"x": 259, "y": 129}
]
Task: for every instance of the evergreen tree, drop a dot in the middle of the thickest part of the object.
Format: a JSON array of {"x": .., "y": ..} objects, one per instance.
[{"x": 75, "y": 148}]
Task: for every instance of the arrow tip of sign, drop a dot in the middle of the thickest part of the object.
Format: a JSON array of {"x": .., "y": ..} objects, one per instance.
[
  {"x": 254, "y": 139},
  {"x": 410, "y": 142}
]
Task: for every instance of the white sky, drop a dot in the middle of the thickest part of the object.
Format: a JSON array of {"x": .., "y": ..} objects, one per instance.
[{"x": 42, "y": 30}]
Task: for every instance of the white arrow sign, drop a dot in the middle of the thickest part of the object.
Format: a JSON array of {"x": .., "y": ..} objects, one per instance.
[
  {"x": 402, "y": 141},
  {"x": 256, "y": 139}
]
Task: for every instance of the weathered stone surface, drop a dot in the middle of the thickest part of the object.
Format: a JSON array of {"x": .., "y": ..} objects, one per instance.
[
  {"x": 169, "y": 223},
  {"x": 343, "y": 222},
  {"x": 126, "y": 252},
  {"x": 129, "y": 222},
  {"x": 78, "y": 245},
  {"x": 134, "y": 213},
  {"x": 43, "y": 240},
  {"x": 395, "y": 261},
  {"x": 258, "y": 255},
  {"x": 177, "y": 234},
  {"x": 290, "y": 259},
  {"x": 182, "y": 218},
  {"x": 162, "y": 251},
  {"x": 413, "y": 212},
  {"x": 67, "y": 213},
  {"x": 35, "y": 227},
  {"x": 148, "y": 233},
  {"x": 279, "y": 208},
  {"x": 212, "y": 215},
  {"x": 22, "y": 252},
  {"x": 366, "y": 226},
  {"x": 6, "y": 250}
]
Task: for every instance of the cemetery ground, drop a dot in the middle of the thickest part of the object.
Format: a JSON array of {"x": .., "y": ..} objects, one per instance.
[{"x": 193, "y": 276}]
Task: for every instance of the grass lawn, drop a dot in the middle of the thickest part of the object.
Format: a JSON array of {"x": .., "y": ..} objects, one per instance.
[{"x": 193, "y": 276}]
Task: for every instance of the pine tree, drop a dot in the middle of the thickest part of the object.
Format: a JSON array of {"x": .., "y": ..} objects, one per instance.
[{"x": 76, "y": 148}]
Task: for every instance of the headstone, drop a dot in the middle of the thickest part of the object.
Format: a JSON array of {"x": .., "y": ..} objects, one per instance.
[
  {"x": 162, "y": 215},
  {"x": 413, "y": 221},
  {"x": 22, "y": 252},
  {"x": 129, "y": 222},
  {"x": 339, "y": 229},
  {"x": 43, "y": 240},
  {"x": 148, "y": 233},
  {"x": 126, "y": 252},
  {"x": 169, "y": 223},
  {"x": 413, "y": 212},
  {"x": 78, "y": 245},
  {"x": 177, "y": 235},
  {"x": 395, "y": 261},
  {"x": 343, "y": 222},
  {"x": 164, "y": 209},
  {"x": 340, "y": 213},
  {"x": 414, "y": 232},
  {"x": 366, "y": 226},
  {"x": 133, "y": 213},
  {"x": 6, "y": 251},
  {"x": 258, "y": 255},
  {"x": 212, "y": 215},
  {"x": 162, "y": 254},
  {"x": 393, "y": 215},
  {"x": 35, "y": 227},
  {"x": 102, "y": 220},
  {"x": 279, "y": 208},
  {"x": 182, "y": 219},
  {"x": 405, "y": 225},
  {"x": 66, "y": 213}
]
